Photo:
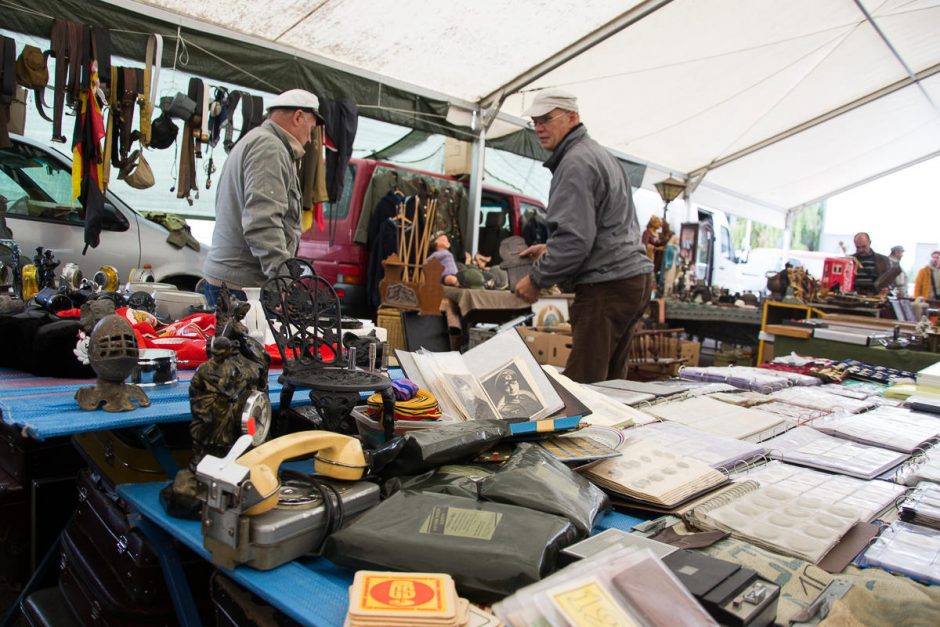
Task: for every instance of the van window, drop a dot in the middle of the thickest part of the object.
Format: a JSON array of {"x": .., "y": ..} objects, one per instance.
[
  {"x": 726, "y": 243},
  {"x": 495, "y": 225},
  {"x": 339, "y": 210},
  {"x": 37, "y": 188}
]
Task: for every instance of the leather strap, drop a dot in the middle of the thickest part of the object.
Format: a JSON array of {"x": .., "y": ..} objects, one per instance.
[
  {"x": 109, "y": 130},
  {"x": 204, "y": 120},
  {"x": 70, "y": 47},
  {"x": 154, "y": 59},
  {"x": 7, "y": 86},
  {"x": 7, "y": 69},
  {"x": 186, "y": 182},
  {"x": 233, "y": 99},
  {"x": 59, "y": 41},
  {"x": 101, "y": 52}
]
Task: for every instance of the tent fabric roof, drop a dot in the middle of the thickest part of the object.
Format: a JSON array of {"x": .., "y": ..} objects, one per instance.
[{"x": 764, "y": 105}]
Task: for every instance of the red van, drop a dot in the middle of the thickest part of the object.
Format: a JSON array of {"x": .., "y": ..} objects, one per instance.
[{"x": 339, "y": 259}]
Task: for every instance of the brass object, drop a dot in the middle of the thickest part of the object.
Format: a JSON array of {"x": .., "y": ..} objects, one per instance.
[
  {"x": 113, "y": 354},
  {"x": 107, "y": 278}
]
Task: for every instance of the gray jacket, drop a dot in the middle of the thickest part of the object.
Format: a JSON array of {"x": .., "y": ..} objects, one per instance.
[
  {"x": 594, "y": 235},
  {"x": 257, "y": 209}
]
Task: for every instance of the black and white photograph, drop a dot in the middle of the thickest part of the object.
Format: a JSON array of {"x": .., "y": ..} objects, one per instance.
[{"x": 512, "y": 393}]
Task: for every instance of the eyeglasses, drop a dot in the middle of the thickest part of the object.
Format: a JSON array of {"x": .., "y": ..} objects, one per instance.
[{"x": 545, "y": 119}]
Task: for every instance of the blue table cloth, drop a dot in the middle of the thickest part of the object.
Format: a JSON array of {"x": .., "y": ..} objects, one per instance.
[{"x": 312, "y": 591}]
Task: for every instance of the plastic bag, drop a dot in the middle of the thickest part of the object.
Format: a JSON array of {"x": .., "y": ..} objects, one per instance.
[
  {"x": 533, "y": 478},
  {"x": 490, "y": 549},
  {"x": 451, "y": 479},
  {"x": 425, "y": 449}
]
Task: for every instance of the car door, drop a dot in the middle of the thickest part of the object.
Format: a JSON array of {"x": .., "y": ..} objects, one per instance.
[{"x": 37, "y": 186}]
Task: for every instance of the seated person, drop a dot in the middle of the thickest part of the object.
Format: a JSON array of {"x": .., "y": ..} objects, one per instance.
[{"x": 441, "y": 246}]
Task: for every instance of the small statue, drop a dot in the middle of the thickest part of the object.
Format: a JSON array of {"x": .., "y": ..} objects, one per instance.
[
  {"x": 230, "y": 314},
  {"x": 217, "y": 394},
  {"x": 112, "y": 352},
  {"x": 45, "y": 263},
  {"x": 651, "y": 236}
]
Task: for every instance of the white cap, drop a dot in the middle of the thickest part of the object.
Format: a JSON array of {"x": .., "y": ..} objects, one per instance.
[
  {"x": 548, "y": 100},
  {"x": 296, "y": 99}
]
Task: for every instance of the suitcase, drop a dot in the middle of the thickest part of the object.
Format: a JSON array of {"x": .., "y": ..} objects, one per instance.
[
  {"x": 237, "y": 607},
  {"x": 14, "y": 532},
  {"x": 26, "y": 459},
  {"x": 47, "y": 608},
  {"x": 121, "y": 457},
  {"x": 94, "y": 592},
  {"x": 101, "y": 516}
]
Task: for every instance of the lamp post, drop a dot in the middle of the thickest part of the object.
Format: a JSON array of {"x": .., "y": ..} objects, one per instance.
[{"x": 669, "y": 189}]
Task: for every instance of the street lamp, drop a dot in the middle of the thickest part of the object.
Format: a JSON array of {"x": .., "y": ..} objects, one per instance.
[{"x": 669, "y": 190}]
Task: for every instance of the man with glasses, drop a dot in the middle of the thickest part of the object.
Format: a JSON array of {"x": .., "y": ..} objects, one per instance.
[
  {"x": 593, "y": 242},
  {"x": 258, "y": 202}
]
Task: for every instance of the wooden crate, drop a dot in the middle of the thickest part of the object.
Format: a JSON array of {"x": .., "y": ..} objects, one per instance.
[{"x": 389, "y": 318}]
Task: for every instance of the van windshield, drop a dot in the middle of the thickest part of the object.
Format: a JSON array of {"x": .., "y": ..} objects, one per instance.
[{"x": 339, "y": 210}]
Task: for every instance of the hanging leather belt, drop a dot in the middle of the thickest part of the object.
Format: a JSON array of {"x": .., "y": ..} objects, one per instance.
[
  {"x": 101, "y": 52},
  {"x": 233, "y": 99},
  {"x": 7, "y": 86},
  {"x": 70, "y": 47},
  {"x": 252, "y": 113},
  {"x": 151, "y": 79},
  {"x": 186, "y": 181}
]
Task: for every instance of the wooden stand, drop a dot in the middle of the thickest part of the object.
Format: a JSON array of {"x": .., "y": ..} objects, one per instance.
[{"x": 422, "y": 294}]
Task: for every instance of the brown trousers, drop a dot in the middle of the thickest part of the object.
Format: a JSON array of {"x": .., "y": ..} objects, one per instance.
[{"x": 603, "y": 317}]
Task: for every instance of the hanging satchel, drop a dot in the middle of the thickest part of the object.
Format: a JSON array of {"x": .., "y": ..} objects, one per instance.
[{"x": 32, "y": 73}]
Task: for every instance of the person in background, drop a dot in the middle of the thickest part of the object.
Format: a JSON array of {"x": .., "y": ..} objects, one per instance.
[
  {"x": 534, "y": 231},
  {"x": 900, "y": 283},
  {"x": 445, "y": 257},
  {"x": 927, "y": 281},
  {"x": 258, "y": 202},
  {"x": 593, "y": 242},
  {"x": 875, "y": 272}
]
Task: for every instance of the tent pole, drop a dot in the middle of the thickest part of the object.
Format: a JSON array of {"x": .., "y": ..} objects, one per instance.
[
  {"x": 788, "y": 232},
  {"x": 472, "y": 237}
]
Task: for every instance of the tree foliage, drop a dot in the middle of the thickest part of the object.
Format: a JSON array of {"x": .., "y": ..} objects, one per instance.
[{"x": 807, "y": 230}]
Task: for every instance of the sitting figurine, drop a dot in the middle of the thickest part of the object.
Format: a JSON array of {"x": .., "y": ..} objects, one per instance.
[{"x": 441, "y": 252}]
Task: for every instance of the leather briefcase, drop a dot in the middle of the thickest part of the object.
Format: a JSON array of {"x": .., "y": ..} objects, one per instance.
[
  {"x": 95, "y": 594},
  {"x": 120, "y": 456},
  {"x": 25, "y": 459},
  {"x": 48, "y": 608},
  {"x": 237, "y": 607},
  {"x": 14, "y": 531},
  {"x": 101, "y": 516}
]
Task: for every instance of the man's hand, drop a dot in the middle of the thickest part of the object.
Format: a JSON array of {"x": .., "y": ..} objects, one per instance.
[
  {"x": 526, "y": 290},
  {"x": 535, "y": 251}
]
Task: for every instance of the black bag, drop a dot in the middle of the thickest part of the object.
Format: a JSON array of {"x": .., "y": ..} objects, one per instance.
[
  {"x": 425, "y": 449},
  {"x": 560, "y": 490},
  {"x": 490, "y": 549}
]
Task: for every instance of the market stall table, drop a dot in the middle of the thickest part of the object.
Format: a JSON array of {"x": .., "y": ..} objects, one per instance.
[
  {"x": 311, "y": 590},
  {"x": 901, "y": 359},
  {"x": 734, "y": 325}
]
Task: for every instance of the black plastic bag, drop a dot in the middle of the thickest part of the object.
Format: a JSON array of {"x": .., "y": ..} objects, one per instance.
[
  {"x": 490, "y": 549},
  {"x": 425, "y": 449},
  {"x": 533, "y": 478},
  {"x": 451, "y": 479}
]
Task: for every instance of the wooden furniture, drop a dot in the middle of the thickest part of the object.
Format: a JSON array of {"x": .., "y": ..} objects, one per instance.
[{"x": 655, "y": 353}]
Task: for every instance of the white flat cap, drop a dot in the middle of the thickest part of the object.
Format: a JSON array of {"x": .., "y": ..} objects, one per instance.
[
  {"x": 549, "y": 100},
  {"x": 296, "y": 99}
]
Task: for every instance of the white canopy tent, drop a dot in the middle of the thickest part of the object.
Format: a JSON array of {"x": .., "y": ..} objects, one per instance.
[{"x": 762, "y": 105}]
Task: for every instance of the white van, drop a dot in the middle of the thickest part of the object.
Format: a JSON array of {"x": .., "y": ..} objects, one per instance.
[
  {"x": 37, "y": 184},
  {"x": 716, "y": 261}
]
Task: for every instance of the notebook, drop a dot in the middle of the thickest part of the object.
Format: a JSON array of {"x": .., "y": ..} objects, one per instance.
[
  {"x": 892, "y": 428},
  {"x": 716, "y": 451},
  {"x": 711, "y": 416},
  {"x": 647, "y": 473},
  {"x": 867, "y": 499},
  {"x": 777, "y": 519},
  {"x": 807, "y": 447}
]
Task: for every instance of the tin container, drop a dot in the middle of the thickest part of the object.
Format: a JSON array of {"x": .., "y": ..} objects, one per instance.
[{"x": 155, "y": 366}]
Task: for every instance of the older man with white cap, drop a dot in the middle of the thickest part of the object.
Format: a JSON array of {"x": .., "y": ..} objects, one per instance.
[
  {"x": 258, "y": 200},
  {"x": 593, "y": 242}
]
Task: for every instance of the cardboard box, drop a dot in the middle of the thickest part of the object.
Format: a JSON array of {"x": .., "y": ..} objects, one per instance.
[
  {"x": 559, "y": 348},
  {"x": 547, "y": 348},
  {"x": 689, "y": 349},
  {"x": 538, "y": 343}
]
